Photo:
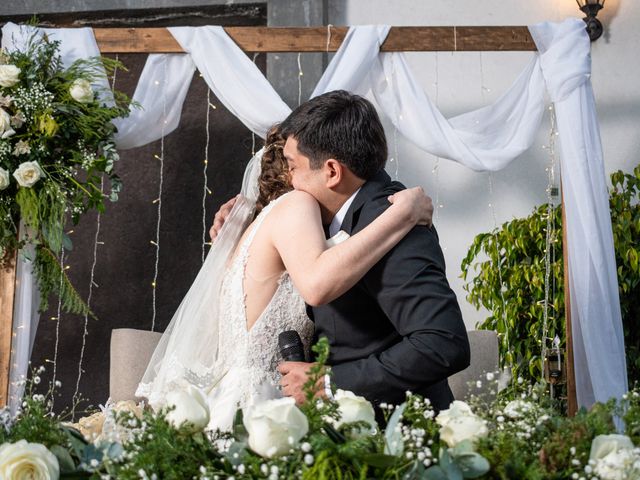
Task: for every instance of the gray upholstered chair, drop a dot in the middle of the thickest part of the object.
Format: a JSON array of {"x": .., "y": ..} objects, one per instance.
[
  {"x": 131, "y": 351},
  {"x": 484, "y": 358}
]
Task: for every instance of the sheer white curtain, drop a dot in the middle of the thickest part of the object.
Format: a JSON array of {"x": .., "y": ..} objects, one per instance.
[
  {"x": 491, "y": 137},
  {"x": 484, "y": 139}
]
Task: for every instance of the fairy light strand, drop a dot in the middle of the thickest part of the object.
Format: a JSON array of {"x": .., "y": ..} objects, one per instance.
[
  {"x": 205, "y": 188},
  {"x": 253, "y": 134},
  {"x": 300, "y": 74},
  {"x": 58, "y": 315},
  {"x": 436, "y": 167},
  {"x": 494, "y": 218},
  {"x": 92, "y": 282},
  {"x": 156, "y": 243},
  {"x": 550, "y": 233}
]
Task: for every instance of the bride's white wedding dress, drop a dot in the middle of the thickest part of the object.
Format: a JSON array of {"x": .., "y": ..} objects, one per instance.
[
  {"x": 248, "y": 359},
  {"x": 234, "y": 366},
  {"x": 207, "y": 343}
]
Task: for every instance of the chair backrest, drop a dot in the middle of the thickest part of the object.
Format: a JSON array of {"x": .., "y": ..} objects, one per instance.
[
  {"x": 131, "y": 351},
  {"x": 484, "y": 358}
]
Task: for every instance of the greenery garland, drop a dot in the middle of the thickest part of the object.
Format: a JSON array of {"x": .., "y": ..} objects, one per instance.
[
  {"x": 500, "y": 434},
  {"x": 56, "y": 146}
]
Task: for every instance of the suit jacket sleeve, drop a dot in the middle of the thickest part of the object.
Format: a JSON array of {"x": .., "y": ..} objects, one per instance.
[{"x": 410, "y": 286}]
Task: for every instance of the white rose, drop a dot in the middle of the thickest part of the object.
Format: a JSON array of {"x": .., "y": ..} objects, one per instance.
[
  {"x": 190, "y": 406},
  {"x": 275, "y": 426},
  {"x": 27, "y": 174},
  {"x": 516, "y": 408},
  {"x": 81, "y": 91},
  {"x": 21, "y": 148},
  {"x": 617, "y": 465},
  {"x": 463, "y": 428},
  {"x": 4, "y": 178},
  {"x": 9, "y": 75},
  {"x": 603, "y": 445},
  {"x": 353, "y": 408},
  {"x": 456, "y": 409},
  {"x": 5, "y": 121},
  {"x": 27, "y": 460}
]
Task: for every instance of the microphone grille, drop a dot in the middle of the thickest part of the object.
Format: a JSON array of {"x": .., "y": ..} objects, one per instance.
[{"x": 288, "y": 338}]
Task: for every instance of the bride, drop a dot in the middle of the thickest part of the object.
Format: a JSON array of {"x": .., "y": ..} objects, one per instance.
[{"x": 254, "y": 284}]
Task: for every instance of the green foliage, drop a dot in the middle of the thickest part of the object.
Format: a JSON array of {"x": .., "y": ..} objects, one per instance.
[
  {"x": 527, "y": 440},
  {"x": 505, "y": 274},
  {"x": 68, "y": 143},
  {"x": 53, "y": 278},
  {"x": 158, "y": 447}
]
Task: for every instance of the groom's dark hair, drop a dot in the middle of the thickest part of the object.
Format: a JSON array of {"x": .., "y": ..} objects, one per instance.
[{"x": 342, "y": 126}]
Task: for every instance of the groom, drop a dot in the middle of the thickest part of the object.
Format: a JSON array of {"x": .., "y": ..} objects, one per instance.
[{"x": 400, "y": 327}]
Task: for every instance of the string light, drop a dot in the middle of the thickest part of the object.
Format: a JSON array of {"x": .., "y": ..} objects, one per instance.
[
  {"x": 58, "y": 315},
  {"x": 300, "y": 74},
  {"x": 494, "y": 218},
  {"x": 550, "y": 234},
  {"x": 154, "y": 284},
  {"x": 394, "y": 160},
  {"x": 253, "y": 134},
  {"x": 205, "y": 176},
  {"x": 92, "y": 282},
  {"x": 436, "y": 167}
]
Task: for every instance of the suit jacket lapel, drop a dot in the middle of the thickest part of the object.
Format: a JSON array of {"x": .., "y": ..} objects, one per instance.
[{"x": 368, "y": 190}]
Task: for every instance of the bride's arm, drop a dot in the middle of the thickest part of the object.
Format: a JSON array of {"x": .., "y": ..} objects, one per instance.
[{"x": 322, "y": 275}]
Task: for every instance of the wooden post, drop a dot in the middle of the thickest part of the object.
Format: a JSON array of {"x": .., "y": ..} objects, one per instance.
[
  {"x": 7, "y": 292},
  {"x": 572, "y": 401}
]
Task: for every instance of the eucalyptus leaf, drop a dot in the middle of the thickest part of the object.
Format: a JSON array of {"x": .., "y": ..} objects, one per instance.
[
  {"x": 435, "y": 473},
  {"x": 64, "y": 458}
]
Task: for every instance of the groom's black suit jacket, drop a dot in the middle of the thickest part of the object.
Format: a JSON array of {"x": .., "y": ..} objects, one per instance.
[{"x": 399, "y": 328}]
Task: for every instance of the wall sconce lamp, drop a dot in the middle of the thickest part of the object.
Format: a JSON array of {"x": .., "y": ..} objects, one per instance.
[{"x": 591, "y": 8}]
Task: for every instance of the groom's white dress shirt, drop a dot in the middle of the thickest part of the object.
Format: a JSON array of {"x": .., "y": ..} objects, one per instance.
[{"x": 334, "y": 227}]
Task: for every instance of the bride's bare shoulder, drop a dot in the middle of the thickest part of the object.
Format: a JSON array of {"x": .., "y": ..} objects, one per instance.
[{"x": 296, "y": 202}]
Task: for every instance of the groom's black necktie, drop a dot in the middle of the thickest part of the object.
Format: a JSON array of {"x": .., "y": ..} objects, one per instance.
[{"x": 326, "y": 231}]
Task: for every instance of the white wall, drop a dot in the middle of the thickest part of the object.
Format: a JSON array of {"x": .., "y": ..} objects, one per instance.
[{"x": 464, "y": 81}]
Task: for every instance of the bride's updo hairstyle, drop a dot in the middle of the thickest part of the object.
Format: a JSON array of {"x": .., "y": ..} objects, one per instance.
[{"x": 274, "y": 179}]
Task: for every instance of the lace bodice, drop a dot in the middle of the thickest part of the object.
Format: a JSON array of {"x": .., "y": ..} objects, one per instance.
[{"x": 256, "y": 351}]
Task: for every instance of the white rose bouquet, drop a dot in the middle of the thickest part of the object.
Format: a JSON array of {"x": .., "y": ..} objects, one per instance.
[{"x": 56, "y": 144}]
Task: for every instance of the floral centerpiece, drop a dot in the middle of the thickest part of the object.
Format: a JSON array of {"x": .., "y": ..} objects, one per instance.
[
  {"x": 518, "y": 434},
  {"x": 56, "y": 147}
]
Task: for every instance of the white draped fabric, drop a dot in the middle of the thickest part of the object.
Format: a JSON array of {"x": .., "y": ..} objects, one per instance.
[{"x": 485, "y": 139}]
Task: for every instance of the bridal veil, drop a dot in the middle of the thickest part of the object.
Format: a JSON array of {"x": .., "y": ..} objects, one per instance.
[{"x": 187, "y": 351}]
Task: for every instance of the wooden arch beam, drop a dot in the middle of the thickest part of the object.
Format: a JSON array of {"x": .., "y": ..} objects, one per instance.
[{"x": 314, "y": 39}]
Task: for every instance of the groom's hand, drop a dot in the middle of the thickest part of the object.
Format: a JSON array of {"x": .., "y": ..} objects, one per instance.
[{"x": 294, "y": 376}]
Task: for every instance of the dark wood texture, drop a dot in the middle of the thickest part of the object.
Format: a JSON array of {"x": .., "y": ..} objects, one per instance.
[
  {"x": 572, "y": 401},
  {"x": 7, "y": 291},
  {"x": 314, "y": 39}
]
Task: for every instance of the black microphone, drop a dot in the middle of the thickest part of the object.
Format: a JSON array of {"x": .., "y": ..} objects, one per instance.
[{"x": 291, "y": 347}]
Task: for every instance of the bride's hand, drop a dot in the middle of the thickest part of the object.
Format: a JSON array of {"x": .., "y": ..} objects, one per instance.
[{"x": 414, "y": 203}]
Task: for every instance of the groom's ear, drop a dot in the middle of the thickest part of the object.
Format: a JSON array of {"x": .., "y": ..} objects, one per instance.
[{"x": 334, "y": 172}]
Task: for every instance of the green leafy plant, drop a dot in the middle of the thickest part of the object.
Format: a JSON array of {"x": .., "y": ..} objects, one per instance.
[
  {"x": 56, "y": 149},
  {"x": 505, "y": 274}
]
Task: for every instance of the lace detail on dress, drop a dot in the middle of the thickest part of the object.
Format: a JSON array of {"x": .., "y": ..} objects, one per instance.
[{"x": 255, "y": 353}]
